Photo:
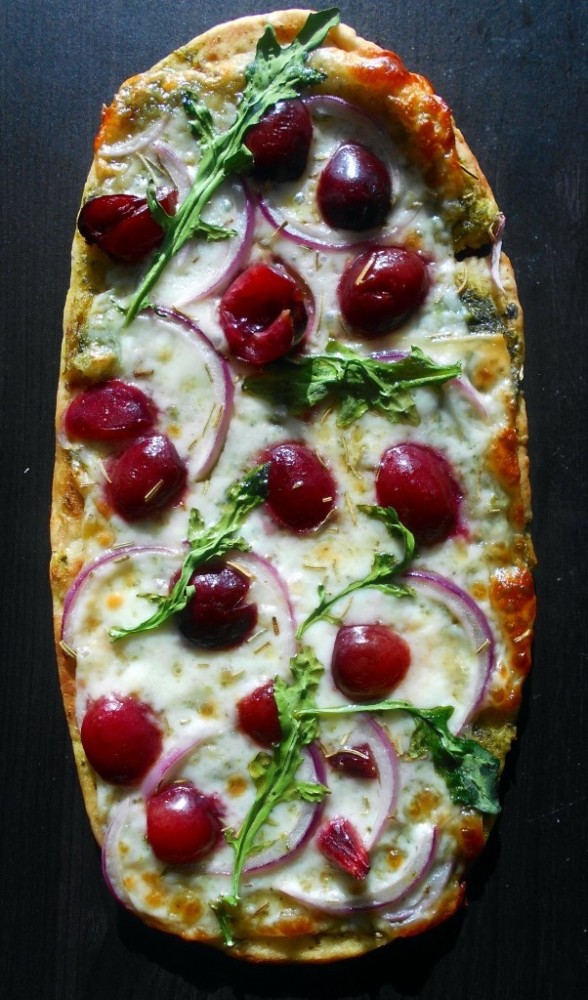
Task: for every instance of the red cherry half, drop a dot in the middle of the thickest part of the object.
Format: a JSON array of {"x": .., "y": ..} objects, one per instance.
[
  {"x": 302, "y": 491},
  {"x": 280, "y": 142},
  {"x": 257, "y": 715},
  {"x": 340, "y": 843},
  {"x": 147, "y": 477},
  {"x": 110, "y": 411},
  {"x": 183, "y": 824},
  {"x": 354, "y": 189},
  {"x": 262, "y": 314},
  {"x": 419, "y": 483},
  {"x": 122, "y": 226},
  {"x": 121, "y": 738},
  {"x": 381, "y": 289},
  {"x": 217, "y": 615},
  {"x": 369, "y": 661}
]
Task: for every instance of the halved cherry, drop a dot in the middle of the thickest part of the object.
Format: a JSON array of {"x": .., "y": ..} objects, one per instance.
[
  {"x": 419, "y": 483},
  {"x": 381, "y": 288},
  {"x": 121, "y": 738},
  {"x": 280, "y": 142},
  {"x": 357, "y": 761},
  {"x": 110, "y": 411},
  {"x": 263, "y": 314},
  {"x": 354, "y": 189},
  {"x": 257, "y": 715},
  {"x": 122, "y": 225},
  {"x": 217, "y": 616},
  {"x": 183, "y": 824},
  {"x": 147, "y": 477},
  {"x": 302, "y": 491},
  {"x": 369, "y": 660}
]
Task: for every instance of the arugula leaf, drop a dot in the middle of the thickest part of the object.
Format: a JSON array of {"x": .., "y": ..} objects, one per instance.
[
  {"x": 205, "y": 544},
  {"x": 276, "y": 74},
  {"x": 382, "y": 575},
  {"x": 275, "y": 776},
  {"x": 470, "y": 771},
  {"x": 356, "y": 382}
]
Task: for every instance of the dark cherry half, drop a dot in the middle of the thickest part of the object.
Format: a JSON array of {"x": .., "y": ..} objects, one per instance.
[
  {"x": 419, "y": 483},
  {"x": 354, "y": 189},
  {"x": 218, "y": 616},
  {"x": 257, "y": 715},
  {"x": 302, "y": 491},
  {"x": 122, "y": 226},
  {"x": 121, "y": 738},
  {"x": 149, "y": 476},
  {"x": 263, "y": 314},
  {"x": 280, "y": 142},
  {"x": 381, "y": 288},
  {"x": 109, "y": 411},
  {"x": 183, "y": 824}
]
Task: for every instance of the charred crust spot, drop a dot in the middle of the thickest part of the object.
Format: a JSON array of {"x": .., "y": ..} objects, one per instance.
[
  {"x": 504, "y": 459},
  {"x": 512, "y": 595}
]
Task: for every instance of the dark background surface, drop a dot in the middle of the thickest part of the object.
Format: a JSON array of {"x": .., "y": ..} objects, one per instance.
[{"x": 514, "y": 73}]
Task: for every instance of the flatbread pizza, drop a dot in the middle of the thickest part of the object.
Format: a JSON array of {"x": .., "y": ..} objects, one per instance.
[{"x": 291, "y": 567}]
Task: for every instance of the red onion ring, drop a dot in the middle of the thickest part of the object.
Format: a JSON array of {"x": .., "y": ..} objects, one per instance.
[
  {"x": 135, "y": 143},
  {"x": 475, "y": 624},
  {"x": 84, "y": 577},
  {"x": 415, "y": 906},
  {"x": 279, "y": 219},
  {"x": 174, "y": 167},
  {"x": 204, "y": 457},
  {"x": 111, "y": 866},
  {"x": 402, "y": 882},
  {"x": 268, "y": 576},
  {"x": 385, "y": 789},
  {"x": 496, "y": 252}
]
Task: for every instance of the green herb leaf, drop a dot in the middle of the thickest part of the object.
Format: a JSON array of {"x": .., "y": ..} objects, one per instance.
[
  {"x": 357, "y": 383},
  {"x": 275, "y": 777},
  {"x": 276, "y": 74},
  {"x": 468, "y": 769},
  {"x": 383, "y": 574},
  {"x": 207, "y": 543}
]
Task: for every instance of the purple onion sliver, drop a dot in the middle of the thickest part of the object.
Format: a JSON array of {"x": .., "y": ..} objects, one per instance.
[
  {"x": 114, "y": 150},
  {"x": 473, "y": 620},
  {"x": 174, "y": 167},
  {"x": 239, "y": 257}
]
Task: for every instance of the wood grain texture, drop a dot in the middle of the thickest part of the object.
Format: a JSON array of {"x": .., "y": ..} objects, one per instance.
[{"x": 512, "y": 72}]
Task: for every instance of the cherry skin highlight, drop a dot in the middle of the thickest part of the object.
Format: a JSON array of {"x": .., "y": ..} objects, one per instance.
[
  {"x": 110, "y": 411},
  {"x": 381, "y": 289},
  {"x": 354, "y": 189},
  {"x": 302, "y": 491},
  {"x": 149, "y": 476},
  {"x": 183, "y": 824},
  {"x": 419, "y": 483},
  {"x": 369, "y": 661},
  {"x": 121, "y": 738}
]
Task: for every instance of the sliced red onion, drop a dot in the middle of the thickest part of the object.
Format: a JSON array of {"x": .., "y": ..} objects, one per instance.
[
  {"x": 165, "y": 769},
  {"x": 332, "y": 896},
  {"x": 356, "y": 125},
  {"x": 420, "y": 904},
  {"x": 462, "y": 382},
  {"x": 370, "y": 732},
  {"x": 476, "y": 626},
  {"x": 289, "y": 843},
  {"x": 174, "y": 167},
  {"x": 204, "y": 452},
  {"x": 267, "y": 577},
  {"x": 190, "y": 278},
  {"x": 112, "y": 870},
  {"x": 135, "y": 143},
  {"x": 85, "y": 578},
  {"x": 496, "y": 253}
]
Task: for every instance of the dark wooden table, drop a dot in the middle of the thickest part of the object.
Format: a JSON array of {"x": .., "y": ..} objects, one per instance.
[{"x": 514, "y": 72}]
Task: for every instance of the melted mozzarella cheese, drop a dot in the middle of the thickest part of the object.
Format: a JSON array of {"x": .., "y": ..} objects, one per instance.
[{"x": 196, "y": 692}]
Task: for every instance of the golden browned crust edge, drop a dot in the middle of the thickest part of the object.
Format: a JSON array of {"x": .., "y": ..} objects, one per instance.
[{"x": 370, "y": 76}]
